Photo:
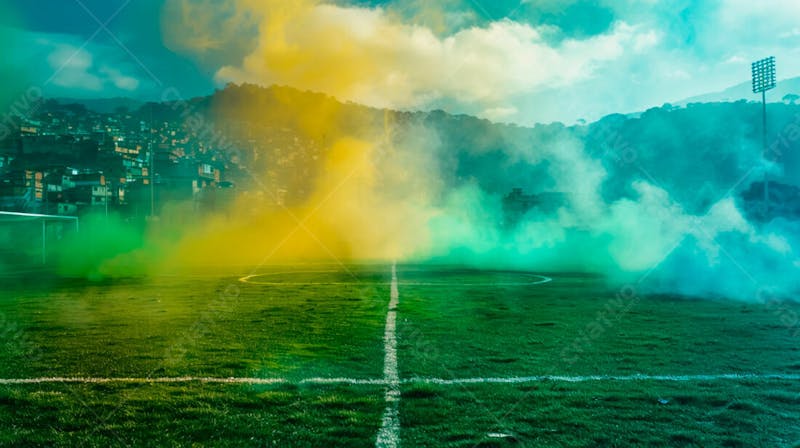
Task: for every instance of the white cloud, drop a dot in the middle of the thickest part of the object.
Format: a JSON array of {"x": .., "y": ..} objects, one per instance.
[
  {"x": 368, "y": 56},
  {"x": 646, "y": 41},
  {"x": 736, "y": 59},
  {"x": 500, "y": 113},
  {"x": 794, "y": 32},
  {"x": 66, "y": 65},
  {"x": 655, "y": 52},
  {"x": 74, "y": 68},
  {"x": 71, "y": 68},
  {"x": 118, "y": 79}
]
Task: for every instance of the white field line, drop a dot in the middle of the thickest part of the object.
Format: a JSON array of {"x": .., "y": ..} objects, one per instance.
[
  {"x": 540, "y": 279},
  {"x": 606, "y": 378},
  {"x": 449, "y": 285},
  {"x": 418, "y": 380},
  {"x": 389, "y": 434},
  {"x": 188, "y": 379}
]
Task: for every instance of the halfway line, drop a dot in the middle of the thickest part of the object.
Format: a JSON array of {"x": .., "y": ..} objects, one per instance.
[{"x": 389, "y": 434}]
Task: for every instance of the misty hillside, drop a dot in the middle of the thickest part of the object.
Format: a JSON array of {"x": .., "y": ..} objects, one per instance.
[
  {"x": 698, "y": 153},
  {"x": 743, "y": 91},
  {"x": 667, "y": 187},
  {"x": 103, "y": 105}
]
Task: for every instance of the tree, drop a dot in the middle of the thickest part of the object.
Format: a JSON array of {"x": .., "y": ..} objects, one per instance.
[{"x": 791, "y": 98}]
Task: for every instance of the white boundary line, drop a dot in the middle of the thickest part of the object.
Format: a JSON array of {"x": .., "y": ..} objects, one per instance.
[
  {"x": 187, "y": 379},
  {"x": 389, "y": 434},
  {"x": 605, "y": 378},
  {"x": 416, "y": 380}
]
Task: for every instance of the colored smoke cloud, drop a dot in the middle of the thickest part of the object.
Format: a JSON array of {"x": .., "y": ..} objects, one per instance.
[{"x": 383, "y": 185}]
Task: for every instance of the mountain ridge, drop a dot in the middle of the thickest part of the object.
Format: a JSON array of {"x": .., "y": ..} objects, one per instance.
[{"x": 743, "y": 91}]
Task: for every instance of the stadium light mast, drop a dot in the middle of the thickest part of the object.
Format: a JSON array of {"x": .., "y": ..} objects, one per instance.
[
  {"x": 151, "y": 175},
  {"x": 764, "y": 80}
]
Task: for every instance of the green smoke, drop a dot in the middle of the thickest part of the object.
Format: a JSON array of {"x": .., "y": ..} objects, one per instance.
[{"x": 105, "y": 246}]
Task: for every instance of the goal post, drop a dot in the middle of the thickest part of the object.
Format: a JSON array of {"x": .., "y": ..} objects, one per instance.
[{"x": 24, "y": 237}]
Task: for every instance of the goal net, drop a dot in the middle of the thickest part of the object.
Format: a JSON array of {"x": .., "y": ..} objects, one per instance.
[{"x": 28, "y": 239}]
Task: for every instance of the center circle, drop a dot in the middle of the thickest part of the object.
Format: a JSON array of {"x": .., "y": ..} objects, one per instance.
[{"x": 410, "y": 277}]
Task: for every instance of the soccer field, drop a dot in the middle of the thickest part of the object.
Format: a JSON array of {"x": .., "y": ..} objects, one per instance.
[{"x": 373, "y": 355}]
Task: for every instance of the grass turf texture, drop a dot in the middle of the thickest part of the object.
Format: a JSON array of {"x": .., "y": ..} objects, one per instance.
[
  {"x": 198, "y": 326},
  {"x": 451, "y": 324},
  {"x": 189, "y": 415},
  {"x": 577, "y": 325},
  {"x": 603, "y": 414}
]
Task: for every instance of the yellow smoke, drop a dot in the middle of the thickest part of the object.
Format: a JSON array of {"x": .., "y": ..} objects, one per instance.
[
  {"x": 368, "y": 200},
  {"x": 354, "y": 213}
]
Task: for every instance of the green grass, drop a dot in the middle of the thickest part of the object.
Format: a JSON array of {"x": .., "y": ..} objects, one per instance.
[
  {"x": 460, "y": 324},
  {"x": 578, "y": 325},
  {"x": 189, "y": 415},
  {"x": 603, "y": 414},
  {"x": 197, "y": 326}
]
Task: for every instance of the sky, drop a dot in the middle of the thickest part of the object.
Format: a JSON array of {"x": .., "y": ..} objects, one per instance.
[{"x": 509, "y": 61}]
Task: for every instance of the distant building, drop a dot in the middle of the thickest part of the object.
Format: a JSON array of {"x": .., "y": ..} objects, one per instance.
[
  {"x": 29, "y": 129},
  {"x": 67, "y": 159},
  {"x": 9, "y": 150},
  {"x": 16, "y": 192}
]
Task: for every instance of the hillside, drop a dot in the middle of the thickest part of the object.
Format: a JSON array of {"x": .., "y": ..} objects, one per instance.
[
  {"x": 697, "y": 153},
  {"x": 103, "y": 105}
]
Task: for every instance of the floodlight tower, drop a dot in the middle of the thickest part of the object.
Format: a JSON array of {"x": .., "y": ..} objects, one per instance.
[{"x": 764, "y": 80}]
